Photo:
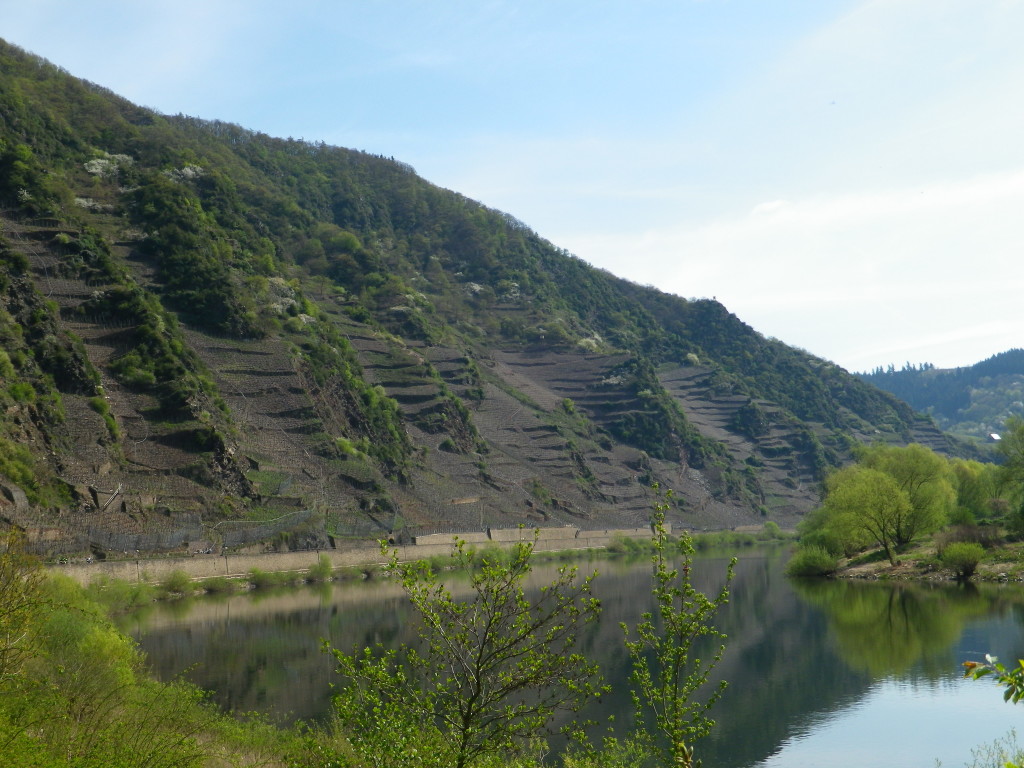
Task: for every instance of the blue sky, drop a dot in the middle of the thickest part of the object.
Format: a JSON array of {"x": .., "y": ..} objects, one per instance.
[{"x": 844, "y": 175}]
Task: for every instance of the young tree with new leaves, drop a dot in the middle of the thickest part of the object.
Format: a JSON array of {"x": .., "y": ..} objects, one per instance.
[
  {"x": 490, "y": 672},
  {"x": 667, "y": 675}
]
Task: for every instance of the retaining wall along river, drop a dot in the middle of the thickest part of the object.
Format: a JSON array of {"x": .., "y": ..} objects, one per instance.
[{"x": 201, "y": 566}]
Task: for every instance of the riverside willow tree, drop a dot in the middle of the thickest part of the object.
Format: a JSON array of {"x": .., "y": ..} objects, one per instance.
[
  {"x": 489, "y": 675},
  {"x": 888, "y": 498},
  {"x": 865, "y": 507},
  {"x": 925, "y": 477}
]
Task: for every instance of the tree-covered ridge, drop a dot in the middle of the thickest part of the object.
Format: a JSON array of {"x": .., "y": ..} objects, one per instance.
[
  {"x": 284, "y": 325},
  {"x": 973, "y": 401}
]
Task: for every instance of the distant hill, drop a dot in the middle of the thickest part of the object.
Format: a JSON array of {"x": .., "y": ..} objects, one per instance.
[
  {"x": 214, "y": 337},
  {"x": 973, "y": 401}
]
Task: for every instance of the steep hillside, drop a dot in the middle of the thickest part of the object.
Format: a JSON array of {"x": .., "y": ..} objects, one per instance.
[{"x": 214, "y": 337}]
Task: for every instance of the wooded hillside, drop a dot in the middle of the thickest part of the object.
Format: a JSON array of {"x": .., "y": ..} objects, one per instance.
[{"x": 213, "y": 337}]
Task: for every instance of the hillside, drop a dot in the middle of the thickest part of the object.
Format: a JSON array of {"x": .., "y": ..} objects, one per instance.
[
  {"x": 971, "y": 402},
  {"x": 214, "y": 337}
]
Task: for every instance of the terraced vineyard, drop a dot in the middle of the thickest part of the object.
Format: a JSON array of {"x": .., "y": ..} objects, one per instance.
[{"x": 216, "y": 338}]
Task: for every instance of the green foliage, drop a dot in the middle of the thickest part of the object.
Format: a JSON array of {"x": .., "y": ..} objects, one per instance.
[
  {"x": 261, "y": 579},
  {"x": 971, "y": 401},
  {"x": 195, "y": 258},
  {"x": 493, "y": 669},
  {"x": 1003, "y": 752},
  {"x": 322, "y": 571},
  {"x": 1012, "y": 681},
  {"x": 177, "y": 583},
  {"x": 891, "y": 496},
  {"x": 667, "y": 673},
  {"x": 812, "y": 561},
  {"x": 330, "y": 363},
  {"x": 22, "y": 600},
  {"x": 924, "y": 476},
  {"x": 74, "y": 691},
  {"x": 1011, "y": 449},
  {"x": 962, "y": 558},
  {"x": 654, "y": 422},
  {"x": 865, "y": 506},
  {"x": 220, "y": 585},
  {"x": 118, "y": 595},
  {"x": 102, "y": 407},
  {"x": 159, "y": 362},
  {"x": 18, "y": 464}
]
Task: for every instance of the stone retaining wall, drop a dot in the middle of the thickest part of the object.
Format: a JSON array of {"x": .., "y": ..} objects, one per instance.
[{"x": 155, "y": 570}]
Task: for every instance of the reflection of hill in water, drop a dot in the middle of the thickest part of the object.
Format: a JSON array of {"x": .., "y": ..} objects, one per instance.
[
  {"x": 782, "y": 671},
  {"x": 790, "y": 660}
]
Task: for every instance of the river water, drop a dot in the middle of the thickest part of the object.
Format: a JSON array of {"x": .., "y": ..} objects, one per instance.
[{"x": 821, "y": 674}]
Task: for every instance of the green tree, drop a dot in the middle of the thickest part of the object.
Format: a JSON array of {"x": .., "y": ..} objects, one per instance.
[
  {"x": 1011, "y": 474},
  {"x": 491, "y": 672},
  {"x": 975, "y": 489},
  {"x": 927, "y": 480},
  {"x": 21, "y": 600},
  {"x": 667, "y": 673},
  {"x": 867, "y": 505},
  {"x": 1011, "y": 448}
]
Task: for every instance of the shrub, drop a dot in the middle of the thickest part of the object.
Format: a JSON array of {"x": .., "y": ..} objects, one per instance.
[
  {"x": 985, "y": 535},
  {"x": 962, "y": 557},
  {"x": 261, "y": 579},
  {"x": 322, "y": 571},
  {"x": 812, "y": 561},
  {"x": 118, "y": 595},
  {"x": 177, "y": 583},
  {"x": 219, "y": 584}
]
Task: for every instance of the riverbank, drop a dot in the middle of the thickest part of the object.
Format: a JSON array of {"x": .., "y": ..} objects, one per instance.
[
  {"x": 1002, "y": 563},
  {"x": 366, "y": 555},
  {"x": 353, "y": 555}
]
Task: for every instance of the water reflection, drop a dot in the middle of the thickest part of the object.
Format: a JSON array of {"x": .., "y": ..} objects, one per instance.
[
  {"x": 885, "y": 629},
  {"x": 801, "y": 656}
]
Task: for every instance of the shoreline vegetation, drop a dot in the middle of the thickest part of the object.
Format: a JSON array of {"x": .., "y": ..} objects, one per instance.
[
  {"x": 75, "y": 691},
  {"x": 906, "y": 512},
  {"x": 238, "y": 571},
  {"x": 999, "y": 562}
]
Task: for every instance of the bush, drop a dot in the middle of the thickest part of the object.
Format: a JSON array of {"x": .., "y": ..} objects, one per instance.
[
  {"x": 118, "y": 595},
  {"x": 177, "y": 583},
  {"x": 812, "y": 561},
  {"x": 219, "y": 585},
  {"x": 262, "y": 579},
  {"x": 985, "y": 535},
  {"x": 962, "y": 558},
  {"x": 322, "y": 571},
  {"x": 627, "y": 545}
]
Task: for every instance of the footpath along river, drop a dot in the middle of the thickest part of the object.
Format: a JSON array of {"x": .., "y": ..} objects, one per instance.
[{"x": 826, "y": 674}]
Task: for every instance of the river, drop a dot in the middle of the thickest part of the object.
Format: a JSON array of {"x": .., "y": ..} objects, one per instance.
[{"x": 823, "y": 674}]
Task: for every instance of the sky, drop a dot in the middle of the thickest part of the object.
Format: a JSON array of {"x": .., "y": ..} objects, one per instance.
[{"x": 846, "y": 176}]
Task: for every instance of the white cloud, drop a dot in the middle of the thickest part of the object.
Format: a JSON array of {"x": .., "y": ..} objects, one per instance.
[{"x": 854, "y": 278}]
